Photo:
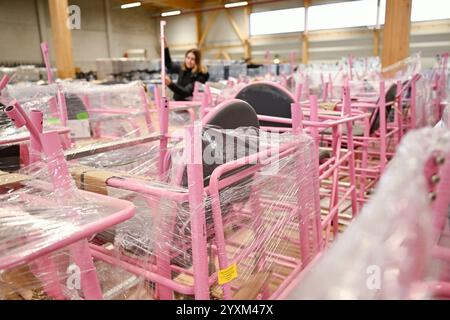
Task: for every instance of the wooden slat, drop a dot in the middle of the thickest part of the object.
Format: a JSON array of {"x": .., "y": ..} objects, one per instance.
[
  {"x": 305, "y": 49},
  {"x": 198, "y": 23},
  {"x": 376, "y": 43},
  {"x": 173, "y": 4},
  {"x": 212, "y": 18},
  {"x": 247, "y": 44},
  {"x": 305, "y": 38},
  {"x": 235, "y": 27},
  {"x": 252, "y": 286}
]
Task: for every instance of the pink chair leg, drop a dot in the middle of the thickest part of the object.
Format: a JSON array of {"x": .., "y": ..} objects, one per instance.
[
  {"x": 45, "y": 269},
  {"x": 90, "y": 284},
  {"x": 351, "y": 149},
  {"x": 198, "y": 222},
  {"x": 61, "y": 179},
  {"x": 383, "y": 125}
]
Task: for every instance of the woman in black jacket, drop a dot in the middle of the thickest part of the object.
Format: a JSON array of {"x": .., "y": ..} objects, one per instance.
[{"x": 191, "y": 71}]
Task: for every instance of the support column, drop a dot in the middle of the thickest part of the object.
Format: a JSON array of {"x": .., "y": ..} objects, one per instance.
[
  {"x": 396, "y": 32},
  {"x": 376, "y": 43},
  {"x": 376, "y": 33},
  {"x": 305, "y": 38},
  {"x": 62, "y": 38},
  {"x": 247, "y": 44}
]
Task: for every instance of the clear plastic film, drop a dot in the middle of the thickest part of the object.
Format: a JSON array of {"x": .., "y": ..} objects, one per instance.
[
  {"x": 426, "y": 109},
  {"x": 113, "y": 111},
  {"x": 44, "y": 226},
  {"x": 118, "y": 105},
  {"x": 30, "y": 96},
  {"x": 92, "y": 112},
  {"x": 256, "y": 213},
  {"x": 364, "y": 75},
  {"x": 360, "y": 72},
  {"x": 445, "y": 121},
  {"x": 404, "y": 69},
  {"x": 366, "y": 68},
  {"x": 26, "y": 91},
  {"x": 25, "y": 73},
  {"x": 9, "y": 131},
  {"x": 224, "y": 90},
  {"x": 96, "y": 115},
  {"x": 14, "y": 141},
  {"x": 387, "y": 252},
  {"x": 140, "y": 160}
]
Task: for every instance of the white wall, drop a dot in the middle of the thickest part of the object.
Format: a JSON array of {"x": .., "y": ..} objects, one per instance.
[
  {"x": 19, "y": 35},
  {"x": 430, "y": 38},
  {"x": 181, "y": 31},
  {"x": 132, "y": 29},
  {"x": 90, "y": 42},
  {"x": 20, "y": 38}
]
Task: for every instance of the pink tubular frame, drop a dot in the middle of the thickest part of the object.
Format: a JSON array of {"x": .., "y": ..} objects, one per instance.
[
  {"x": 41, "y": 259},
  {"x": 441, "y": 90},
  {"x": 160, "y": 272},
  {"x": 314, "y": 125},
  {"x": 34, "y": 126},
  {"x": 202, "y": 282},
  {"x": 111, "y": 112},
  {"x": 375, "y": 150},
  {"x": 437, "y": 166}
]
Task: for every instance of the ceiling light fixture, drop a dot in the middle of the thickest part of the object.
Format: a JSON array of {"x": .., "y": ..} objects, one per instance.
[
  {"x": 236, "y": 4},
  {"x": 131, "y": 5},
  {"x": 170, "y": 13}
]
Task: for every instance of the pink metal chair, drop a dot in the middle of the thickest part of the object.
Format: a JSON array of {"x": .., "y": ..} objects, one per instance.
[
  {"x": 112, "y": 110},
  {"x": 39, "y": 219},
  {"x": 272, "y": 103},
  {"x": 173, "y": 246},
  {"x": 392, "y": 113},
  {"x": 17, "y": 139},
  {"x": 441, "y": 84},
  {"x": 196, "y": 108},
  {"x": 407, "y": 255},
  {"x": 46, "y": 98}
]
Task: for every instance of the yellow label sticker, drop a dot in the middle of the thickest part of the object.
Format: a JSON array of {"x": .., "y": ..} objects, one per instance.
[{"x": 228, "y": 274}]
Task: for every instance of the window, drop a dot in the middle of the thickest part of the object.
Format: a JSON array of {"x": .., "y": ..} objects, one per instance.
[
  {"x": 277, "y": 21},
  {"x": 343, "y": 15},
  {"x": 428, "y": 10}
]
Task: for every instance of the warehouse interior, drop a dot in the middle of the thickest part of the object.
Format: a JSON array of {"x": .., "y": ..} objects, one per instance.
[{"x": 224, "y": 149}]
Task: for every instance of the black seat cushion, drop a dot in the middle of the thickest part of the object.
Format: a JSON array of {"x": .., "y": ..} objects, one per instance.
[
  {"x": 9, "y": 155},
  {"x": 233, "y": 115},
  {"x": 389, "y": 98},
  {"x": 74, "y": 106},
  {"x": 227, "y": 116},
  {"x": 269, "y": 100},
  {"x": 10, "y": 158}
]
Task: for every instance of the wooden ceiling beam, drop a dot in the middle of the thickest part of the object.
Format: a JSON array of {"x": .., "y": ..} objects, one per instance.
[
  {"x": 235, "y": 26},
  {"x": 175, "y": 4},
  {"x": 209, "y": 24}
]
